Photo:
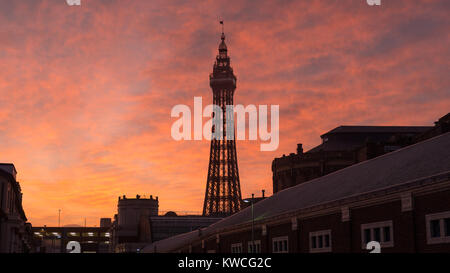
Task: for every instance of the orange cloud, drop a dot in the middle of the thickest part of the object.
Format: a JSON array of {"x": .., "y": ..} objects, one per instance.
[{"x": 87, "y": 91}]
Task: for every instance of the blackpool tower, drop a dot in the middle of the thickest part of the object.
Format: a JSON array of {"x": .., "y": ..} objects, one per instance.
[{"x": 223, "y": 190}]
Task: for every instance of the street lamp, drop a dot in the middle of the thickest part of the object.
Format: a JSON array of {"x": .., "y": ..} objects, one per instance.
[{"x": 253, "y": 223}]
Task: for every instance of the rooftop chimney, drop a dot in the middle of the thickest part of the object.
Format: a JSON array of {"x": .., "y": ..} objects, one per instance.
[
  {"x": 299, "y": 149},
  {"x": 263, "y": 191}
]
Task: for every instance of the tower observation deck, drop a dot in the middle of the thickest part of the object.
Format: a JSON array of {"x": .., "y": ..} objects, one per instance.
[{"x": 223, "y": 190}]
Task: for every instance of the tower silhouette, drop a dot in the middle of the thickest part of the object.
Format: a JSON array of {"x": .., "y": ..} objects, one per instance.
[{"x": 223, "y": 190}]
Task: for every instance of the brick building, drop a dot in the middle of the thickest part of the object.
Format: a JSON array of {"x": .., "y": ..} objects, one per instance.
[
  {"x": 399, "y": 199},
  {"x": 347, "y": 145}
]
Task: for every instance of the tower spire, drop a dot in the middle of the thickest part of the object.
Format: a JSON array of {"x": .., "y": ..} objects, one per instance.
[
  {"x": 223, "y": 190},
  {"x": 222, "y": 48}
]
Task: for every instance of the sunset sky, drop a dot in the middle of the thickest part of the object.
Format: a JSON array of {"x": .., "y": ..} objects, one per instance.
[{"x": 86, "y": 91}]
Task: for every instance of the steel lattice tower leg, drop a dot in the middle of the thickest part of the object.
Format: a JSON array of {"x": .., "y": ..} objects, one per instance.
[{"x": 223, "y": 190}]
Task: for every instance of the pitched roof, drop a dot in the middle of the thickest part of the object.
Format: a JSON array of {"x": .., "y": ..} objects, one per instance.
[
  {"x": 378, "y": 129},
  {"x": 418, "y": 161},
  {"x": 352, "y": 137},
  {"x": 335, "y": 146}
]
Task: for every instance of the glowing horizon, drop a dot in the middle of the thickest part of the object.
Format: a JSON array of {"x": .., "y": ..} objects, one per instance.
[{"x": 87, "y": 90}]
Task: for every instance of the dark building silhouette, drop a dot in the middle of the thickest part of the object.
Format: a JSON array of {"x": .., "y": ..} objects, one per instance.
[
  {"x": 223, "y": 191},
  {"x": 399, "y": 199},
  {"x": 131, "y": 226},
  {"x": 15, "y": 232},
  {"x": 341, "y": 147},
  {"x": 440, "y": 127},
  {"x": 171, "y": 224},
  {"x": 348, "y": 145},
  {"x": 138, "y": 224},
  {"x": 105, "y": 222}
]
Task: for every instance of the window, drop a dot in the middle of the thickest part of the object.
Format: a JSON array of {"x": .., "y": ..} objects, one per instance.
[
  {"x": 11, "y": 199},
  {"x": 387, "y": 233},
  {"x": 447, "y": 226},
  {"x": 256, "y": 248},
  {"x": 320, "y": 241},
  {"x": 435, "y": 228},
  {"x": 327, "y": 240},
  {"x": 236, "y": 248},
  {"x": 438, "y": 228},
  {"x": 280, "y": 245},
  {"x": 381, "y": 232},
  {"x": 367, "y": 235},
  {"x": 377, "y": 234},
  {"x": 8, "y": 197}
]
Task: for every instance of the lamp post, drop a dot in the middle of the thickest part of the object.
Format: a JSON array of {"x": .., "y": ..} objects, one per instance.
[{"x": 253, "y": 224}]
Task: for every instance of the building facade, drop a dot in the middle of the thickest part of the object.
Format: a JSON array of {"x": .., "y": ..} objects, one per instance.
[
  {"x": 171, "y": 224},
  {"x": 138, "y": 224},
  {"x": 56, "y": 239},
  {"x": 15, "y": 232},
  {"x": 340, "y": 148},
  {"x": 399, "y": 200},
  {"x": 131, "y": 224}
]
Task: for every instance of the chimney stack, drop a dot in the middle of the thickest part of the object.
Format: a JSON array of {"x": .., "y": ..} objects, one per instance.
[
  {"x": 299, "y": 149},
  {"x": 263, "y": 191}
]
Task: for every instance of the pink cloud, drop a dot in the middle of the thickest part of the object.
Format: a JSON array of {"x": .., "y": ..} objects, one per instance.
[{"x": 87, "y": 91}]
